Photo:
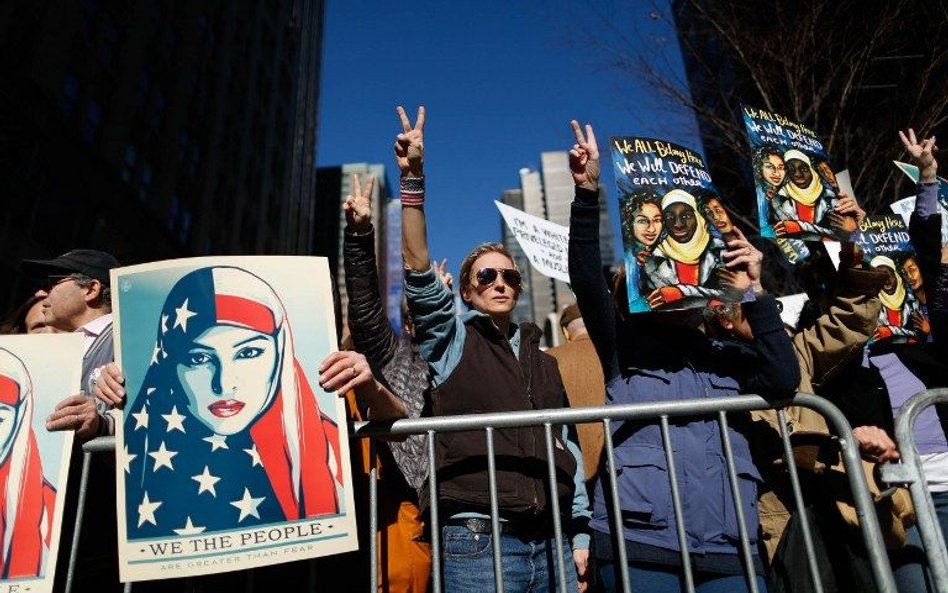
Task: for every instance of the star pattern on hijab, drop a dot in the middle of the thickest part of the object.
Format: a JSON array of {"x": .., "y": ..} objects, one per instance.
[
  {"x": 182, "y": 314},
  {"x": 218, "y": 465},
  {"x": 181, "y": 477}
]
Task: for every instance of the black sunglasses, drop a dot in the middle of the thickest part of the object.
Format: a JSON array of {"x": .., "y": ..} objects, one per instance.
[
  {"x": 53, "y": 279},
  {"x": 487, "y": 276}
]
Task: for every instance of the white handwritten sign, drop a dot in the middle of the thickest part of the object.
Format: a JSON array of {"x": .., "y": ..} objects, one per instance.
[{"x": 545, "y": 243}]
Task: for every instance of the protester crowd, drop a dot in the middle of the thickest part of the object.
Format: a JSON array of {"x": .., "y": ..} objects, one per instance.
[{"x": 448, "y": 362}]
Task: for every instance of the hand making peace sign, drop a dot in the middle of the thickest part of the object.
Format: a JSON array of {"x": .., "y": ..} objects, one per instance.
[
  {"x": 358, "y": 205},
  {"x": 924, "y": 154},
  {"x": 584, "y": 158},
  {"x": 410, "y": 145}
]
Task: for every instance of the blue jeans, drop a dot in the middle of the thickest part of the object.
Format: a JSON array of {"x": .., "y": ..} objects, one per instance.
[
  {"x": 908, "y": 564},
  {"x": 467, "y": 562},
  {"x": 658, "y": 579}
]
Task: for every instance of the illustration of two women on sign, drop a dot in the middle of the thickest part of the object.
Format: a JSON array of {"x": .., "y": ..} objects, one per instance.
[
  {"x": 800, "y": 192},
  {"x": 28, "y": 499},
  {"x": 676, "y": 244},
  {"x": 226, "y": 431},
  {"x": 902, "y": 318}
]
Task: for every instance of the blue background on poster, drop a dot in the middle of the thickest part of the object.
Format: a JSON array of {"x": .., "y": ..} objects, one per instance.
[
  {"x": 143, "y": 294},
  {"x": 661, "y": 166}
]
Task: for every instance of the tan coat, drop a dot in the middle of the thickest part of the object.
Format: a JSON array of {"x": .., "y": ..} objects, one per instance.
[
  {"x": 585, "y": 386},
  {"x": 821, "y": 351}
]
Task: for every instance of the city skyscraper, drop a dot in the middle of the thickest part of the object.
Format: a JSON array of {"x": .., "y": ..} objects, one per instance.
[
  {"x": 542, "y": 293},
  {"x": 524, "y": 309},
  {"x": 157, "y": 129},
  {"x": 548, "y": 194}
]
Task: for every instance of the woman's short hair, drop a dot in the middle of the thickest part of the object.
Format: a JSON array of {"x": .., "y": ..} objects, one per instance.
[
  {"x": 15, "y": 322},
  {"x": 703, "y": 198},
  {"x": 478, "y": 251}
]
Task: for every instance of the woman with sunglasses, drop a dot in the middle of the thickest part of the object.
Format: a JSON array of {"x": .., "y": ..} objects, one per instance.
[
  {"x": 480, "y": 362},
  {"x": 654, "y": 357}
]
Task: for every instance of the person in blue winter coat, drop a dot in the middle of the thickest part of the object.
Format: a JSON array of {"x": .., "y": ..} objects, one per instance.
[{"x": 667, "y": 357}]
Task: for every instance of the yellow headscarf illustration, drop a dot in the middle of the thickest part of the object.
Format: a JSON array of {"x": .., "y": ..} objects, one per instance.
[
  {"x": 810, "y": 194},
  {"x": 890, "y": 301},
  {"x": 690, "y": 252}
]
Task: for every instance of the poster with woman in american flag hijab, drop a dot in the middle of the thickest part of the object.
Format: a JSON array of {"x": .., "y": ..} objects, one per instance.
[
  {"x": 228, "y": 457},
  {"x": 36, "y": 372}
]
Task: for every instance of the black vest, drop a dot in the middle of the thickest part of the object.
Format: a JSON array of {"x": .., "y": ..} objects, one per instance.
[{"x": 490, "y": 378}]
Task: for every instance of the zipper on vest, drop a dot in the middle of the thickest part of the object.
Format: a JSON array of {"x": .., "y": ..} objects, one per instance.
[
  {"x": 524, "y": 379},
  {"x": 527, "y": 381},
  {"x": 528, "y": 376}
]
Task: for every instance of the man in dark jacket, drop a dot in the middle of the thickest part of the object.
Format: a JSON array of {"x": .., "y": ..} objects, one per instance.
[{"x": 76, "y": 298}]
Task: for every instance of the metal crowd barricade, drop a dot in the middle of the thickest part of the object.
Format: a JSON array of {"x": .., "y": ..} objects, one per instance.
[
  {"x": 909, "y": 472},
  {"x": 662, "y": 411},
  {"x": 99, "y": 445},
  {"x": 607, "y": 415}
]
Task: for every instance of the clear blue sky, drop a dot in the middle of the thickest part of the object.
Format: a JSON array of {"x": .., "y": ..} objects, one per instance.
[{"x": 500, "y": 81}]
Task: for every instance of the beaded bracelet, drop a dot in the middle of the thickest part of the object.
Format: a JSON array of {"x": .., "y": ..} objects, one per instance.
[{"x": 413, "y": 191}]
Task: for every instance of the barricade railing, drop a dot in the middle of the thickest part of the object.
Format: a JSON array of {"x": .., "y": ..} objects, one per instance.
[
  {"x": 909, "y": 472},
  {"x": 662, "y": 412}
]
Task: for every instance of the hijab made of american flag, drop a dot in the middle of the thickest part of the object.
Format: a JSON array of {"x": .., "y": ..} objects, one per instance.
[
  {"x": 184, "y": 478},
  {"x": 28, "y": 500}
]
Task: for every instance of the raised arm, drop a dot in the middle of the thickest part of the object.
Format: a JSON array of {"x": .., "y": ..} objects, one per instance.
[
  {"x": 840, "y": 334},
  {"x": 410, "y": 157},
  {"x": 439, "y": 333},
  {"x": 925, "y": 224},
  {"x": 925, "y": 231},
  {"x": 938, "y": 304},
  {"x": 585, "y": 256},
  {"x": 371, "y": 332}
]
